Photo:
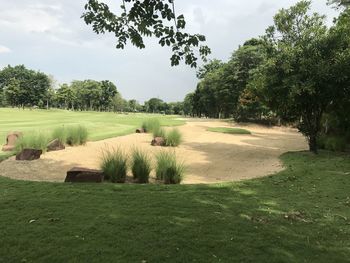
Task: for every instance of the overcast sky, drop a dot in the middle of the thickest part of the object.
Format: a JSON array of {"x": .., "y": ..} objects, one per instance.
[{"x": 50, "y": 36}]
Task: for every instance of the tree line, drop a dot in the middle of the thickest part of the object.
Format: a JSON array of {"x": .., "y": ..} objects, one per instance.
[
  {"x": 297, "y": 72},
  {"x": 22, "y": 87}
]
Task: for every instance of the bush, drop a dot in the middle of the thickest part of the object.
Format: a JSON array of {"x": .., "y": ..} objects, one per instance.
[
  {"x": 151, "y": 125},
  {"x": 34, "y": 140},
  {"x": 336, "y": 144},
  {"x": 114, "y": 166},
  {"x": 159, "y": 132},
  {"x": 76, "y": 135},
  {"x": 168, "y": 169},
  {"x": 141, "y": 166},
  {"x": 173, "y": 138},
  {"x": 60, "y": 133}
]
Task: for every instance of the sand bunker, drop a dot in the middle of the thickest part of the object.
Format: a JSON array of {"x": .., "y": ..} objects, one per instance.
[{"x": 210, "y": 157}]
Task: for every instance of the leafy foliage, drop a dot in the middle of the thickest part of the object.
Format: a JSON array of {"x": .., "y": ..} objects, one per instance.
[{"x": 144, "y": 19}]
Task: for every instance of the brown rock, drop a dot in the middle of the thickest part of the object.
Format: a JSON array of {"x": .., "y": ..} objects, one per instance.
[
  {"x": 158, "y": 141},
  {"x": 28, "y": 155},
  {"x": 83, "y": 175},
  {"x": 141, "y": 130},
  {"x": 11, "y": 141},
  {"x": 55, "y": 145}
]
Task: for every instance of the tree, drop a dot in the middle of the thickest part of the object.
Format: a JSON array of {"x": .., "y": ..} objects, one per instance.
[
  {"x": 31, "y": 86},
  {"x": 296, "y": 77},
  {"x": 108, "y": 91},
  {"x": 211, "y": 66},
  {"x": 340, "y": 3},
  {"x": 139, "y": 19},
  {"x": 154, "y": 105}
]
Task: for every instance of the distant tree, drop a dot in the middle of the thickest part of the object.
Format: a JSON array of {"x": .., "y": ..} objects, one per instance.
[
  {"x": 154, "y": 105},
  {"x": 119, "y": 104},
  {"x": 108, "y": 91},
  {"x": 139, "y": 19},
  {"x": 188, "y": 104},
  {"x": 26, "y": 87}
]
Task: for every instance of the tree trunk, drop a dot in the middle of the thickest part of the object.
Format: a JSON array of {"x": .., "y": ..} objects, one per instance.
[{"x": 313, "y": 144}]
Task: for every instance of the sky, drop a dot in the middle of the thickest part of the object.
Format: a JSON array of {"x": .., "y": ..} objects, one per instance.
[{"x": 50, "y": 36}]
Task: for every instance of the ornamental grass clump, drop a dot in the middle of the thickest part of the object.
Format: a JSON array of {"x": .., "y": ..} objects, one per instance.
[
  {"x": 140, "y": 166},
  {"x": 76, "y": 135},
  {"x": 60, "y": 134},
  {"x": 159, "y": 132},
  {"x": 151, "y": 125},
  {"x": 33, "y": 140},
  {"x": 114, "y": 164},
  {"x": 173, "y": 138},
  {"x": 168, "y": 169}
]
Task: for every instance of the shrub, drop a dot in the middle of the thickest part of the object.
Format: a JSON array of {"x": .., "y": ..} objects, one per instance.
[
  {"x": 151, "y": 125},
  {"x": 76, "y": 135},
  {"x": 168, "y": 169},
  {"x": 140, "y": 166},
  {"x": 336, "y": 144},
  {"x": 60, "y": 133},
  {"x": 114, "y": 165},
  {"x": 159, "y": 132},
  {"x": 173, "y": 138},
  {"x": 34, "y": 140}
]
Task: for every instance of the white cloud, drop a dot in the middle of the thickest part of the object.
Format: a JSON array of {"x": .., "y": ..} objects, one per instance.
[{"x": 4, "y": 49}]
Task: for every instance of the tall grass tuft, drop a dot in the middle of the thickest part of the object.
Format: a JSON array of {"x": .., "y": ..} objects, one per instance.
[
  {"x": 114, "y": 165},
  {"x": 140, "y": 166},
  {"x": 60, "y": 133},
  {"x": 168, "y": 169},
  {"x": 159, "y": 132},
  {"x": 76, "y": 135},
  {"x": 151, "y": 125},
  {"x": 33, "y": 140},
  {"x": 173, "y": 138}
]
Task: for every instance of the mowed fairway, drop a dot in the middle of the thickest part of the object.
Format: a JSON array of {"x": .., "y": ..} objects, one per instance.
[{"x": 101, "y": 125}]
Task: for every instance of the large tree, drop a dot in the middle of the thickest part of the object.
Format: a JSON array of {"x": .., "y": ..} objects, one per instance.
[
  {"x": 138, "y": 19},
  {"x": 297, "y": 75}
]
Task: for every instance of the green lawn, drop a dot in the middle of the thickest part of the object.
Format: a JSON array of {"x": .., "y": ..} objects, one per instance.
[
  {"x": 299, "y": 215},
  {"x": 229, "y": 130},
  {"x": 101, "y": 125}
]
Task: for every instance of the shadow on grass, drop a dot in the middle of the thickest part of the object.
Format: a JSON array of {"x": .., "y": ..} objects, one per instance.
[{"x": 301, "y": 214}]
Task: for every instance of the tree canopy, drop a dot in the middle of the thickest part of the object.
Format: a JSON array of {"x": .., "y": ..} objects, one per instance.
[{"x": 139, "y": 19}]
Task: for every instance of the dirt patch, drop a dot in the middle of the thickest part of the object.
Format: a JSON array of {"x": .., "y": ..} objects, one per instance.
[{"x": 210, "y": 157}]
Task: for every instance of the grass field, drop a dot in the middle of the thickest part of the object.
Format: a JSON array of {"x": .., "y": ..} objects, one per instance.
[
  {"x": 101, "y": 125},
  {"x": 229, "y": 130},
  {"x": 299, "y": 215}
]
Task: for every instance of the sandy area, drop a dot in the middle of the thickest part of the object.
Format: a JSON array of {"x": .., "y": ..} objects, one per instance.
[{"x": 210, "y": 157}]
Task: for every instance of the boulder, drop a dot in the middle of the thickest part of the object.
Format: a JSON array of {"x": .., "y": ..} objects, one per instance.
[
  {"x": 29, "y": 155},
  {"x": 55, "y": 145},
  {"x": 141, "y": 130},
  {"x": 158, "y": 141},
  {"x": 11, "y": 141},
  {"x": 84, "y": 175}
]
